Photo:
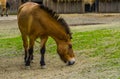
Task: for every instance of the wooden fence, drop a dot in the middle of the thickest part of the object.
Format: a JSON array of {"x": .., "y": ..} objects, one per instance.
[
  {"x": 73, "y": 7},
  {"x": 102, "y": 6},
  {"x": 14, "y": 4},
  {"x": 64, "y": 7},
  {"x": 111, "y": 6}
]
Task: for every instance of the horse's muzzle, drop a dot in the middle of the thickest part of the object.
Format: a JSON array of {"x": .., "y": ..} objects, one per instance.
[{"x": 71, "y": 62}]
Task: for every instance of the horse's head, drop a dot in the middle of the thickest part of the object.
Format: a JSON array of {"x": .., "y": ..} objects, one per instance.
[{"x": 66, "y": 53}]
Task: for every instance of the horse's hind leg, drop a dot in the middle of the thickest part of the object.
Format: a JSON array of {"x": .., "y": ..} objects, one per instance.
[
  {"x": 30, "y": 51},
  {"x": 42, "y": 51},
  {"x": 6, "y": 11},
  {"x": 25, "y": 45},
  {"x": 3, "y": 10}
]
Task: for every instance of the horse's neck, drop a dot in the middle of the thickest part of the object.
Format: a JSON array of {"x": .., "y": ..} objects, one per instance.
[
  {"x": 53, "y": 27},
  {"x": 58, "y": 32}
]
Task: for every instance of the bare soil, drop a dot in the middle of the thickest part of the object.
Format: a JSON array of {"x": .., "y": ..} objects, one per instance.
[{"x": 85, "y": 67}]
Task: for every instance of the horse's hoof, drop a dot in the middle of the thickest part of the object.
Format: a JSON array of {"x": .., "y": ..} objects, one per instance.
[
  {"x": 43, "y": 67},
  {"x": 7, "y": 15},
  {"x": 27, "y": 67},
  {"x": 1, "y": 15}
]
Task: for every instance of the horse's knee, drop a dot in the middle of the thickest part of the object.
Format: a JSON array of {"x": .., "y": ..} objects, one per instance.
[
  {"x": 42, "y": 50},
  {"x": 30, "y": 51}
]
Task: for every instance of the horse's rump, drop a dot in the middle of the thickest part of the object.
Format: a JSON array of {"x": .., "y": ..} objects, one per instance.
[{"x": 26, "y": 16}]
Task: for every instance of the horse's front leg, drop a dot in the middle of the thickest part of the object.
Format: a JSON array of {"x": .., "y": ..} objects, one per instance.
[{"x": 42, "y": 51}]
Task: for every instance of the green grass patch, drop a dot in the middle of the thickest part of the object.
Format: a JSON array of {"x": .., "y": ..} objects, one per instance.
[
  {"x": 105, "y": 42},
  {"x": 10, "y": 46},
  {"x": 119, "y": 78},
  {"x": 10, "y": 43},
  {"x": 51, "y": 46}
]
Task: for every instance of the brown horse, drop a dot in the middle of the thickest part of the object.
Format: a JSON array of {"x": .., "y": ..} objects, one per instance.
[
  {"x": 37, "y": 21},
  {"x": 4, "y": 6}
]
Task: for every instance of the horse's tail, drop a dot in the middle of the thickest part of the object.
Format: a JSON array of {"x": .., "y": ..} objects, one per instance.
[{"x": 7, "y": 5}]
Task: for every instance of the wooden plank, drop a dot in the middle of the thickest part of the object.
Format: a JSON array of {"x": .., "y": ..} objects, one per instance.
[{"x": 79, "y": 7}]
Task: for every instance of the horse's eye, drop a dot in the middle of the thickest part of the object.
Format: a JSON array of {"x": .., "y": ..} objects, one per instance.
[{"x": 70, "y": 46}]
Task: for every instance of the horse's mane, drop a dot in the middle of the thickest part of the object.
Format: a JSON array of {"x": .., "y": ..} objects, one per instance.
[{"x": 58, "y": 18}]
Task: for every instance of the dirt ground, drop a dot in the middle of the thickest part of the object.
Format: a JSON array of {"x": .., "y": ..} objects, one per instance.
[{"x": 84, "y": 68}]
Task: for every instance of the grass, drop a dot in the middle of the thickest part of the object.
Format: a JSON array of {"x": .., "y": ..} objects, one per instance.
[
  {"x": 103, "y": 42},
  {"x": 99, "y": 42},
  {"x": 10, "y": 46}
]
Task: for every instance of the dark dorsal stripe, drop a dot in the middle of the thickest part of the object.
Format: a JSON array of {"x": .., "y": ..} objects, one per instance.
[{"x": 58, "y": 18}]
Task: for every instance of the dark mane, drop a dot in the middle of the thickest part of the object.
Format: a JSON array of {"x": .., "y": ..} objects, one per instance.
[{"x": 58, "y": 18}]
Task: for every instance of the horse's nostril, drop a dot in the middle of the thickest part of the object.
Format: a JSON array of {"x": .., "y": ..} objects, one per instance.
[{"x": 71, "y": 62}]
